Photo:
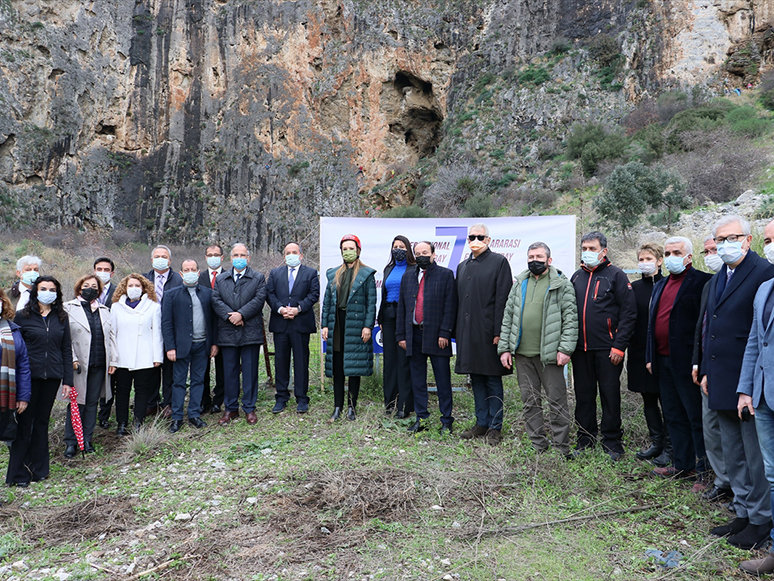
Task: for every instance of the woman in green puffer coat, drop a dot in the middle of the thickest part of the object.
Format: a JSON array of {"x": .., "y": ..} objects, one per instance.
[{"x": 348, "y": 316}]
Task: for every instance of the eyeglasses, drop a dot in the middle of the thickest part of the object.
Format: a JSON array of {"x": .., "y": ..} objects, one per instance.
[
  {"x": 730, "y": 238},
  {"x": 480, "y": 237}
]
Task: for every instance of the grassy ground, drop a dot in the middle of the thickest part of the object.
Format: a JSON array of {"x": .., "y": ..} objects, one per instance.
[{"x": 296, "y": 498}]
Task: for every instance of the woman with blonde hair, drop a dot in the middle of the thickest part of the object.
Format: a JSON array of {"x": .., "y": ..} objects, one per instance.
[
  {"x": 136, "y": 347},
  {"x": 348, "y": 316},
  {"x": 90, "y": 333}
]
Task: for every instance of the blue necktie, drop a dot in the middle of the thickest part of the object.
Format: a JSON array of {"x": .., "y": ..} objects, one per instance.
[{"x": 290, "y": 282}]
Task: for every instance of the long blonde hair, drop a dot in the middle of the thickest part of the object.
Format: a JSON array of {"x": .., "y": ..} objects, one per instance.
[
  {"x": 343, "y": 268},
  {"x": 147, "y": 287}
]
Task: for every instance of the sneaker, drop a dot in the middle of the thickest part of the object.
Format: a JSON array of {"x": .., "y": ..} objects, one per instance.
[{"x": 475, "y": 432}]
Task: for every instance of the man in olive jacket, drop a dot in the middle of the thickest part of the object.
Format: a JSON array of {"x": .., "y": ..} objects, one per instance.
[
  {"x": 238, "y": 301},
  {"x": 540, "y": 330}
]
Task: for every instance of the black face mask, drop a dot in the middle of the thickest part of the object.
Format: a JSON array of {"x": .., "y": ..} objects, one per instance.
[
  {"x": 537, "y": 267},
  {"x": 399, "y": 254},
  {"x": 424, "y": 261},
  {"x": 89, "y": 294}
]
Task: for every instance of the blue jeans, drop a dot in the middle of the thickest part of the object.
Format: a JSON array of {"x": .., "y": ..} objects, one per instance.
[
  {"x": 764, "y": 421},
  {"x": 196, "y": 361},
  {"x": 488, "y": 399}
]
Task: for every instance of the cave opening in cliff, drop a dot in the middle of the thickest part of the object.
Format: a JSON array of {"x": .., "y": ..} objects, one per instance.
[
  {"x": 404, "y": 80},
  {"x": 420, "y": 118}
]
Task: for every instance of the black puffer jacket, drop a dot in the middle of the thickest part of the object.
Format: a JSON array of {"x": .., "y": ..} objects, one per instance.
[
  {"x": 48, "y": 346},
  {"x": 247, "y": 297}
]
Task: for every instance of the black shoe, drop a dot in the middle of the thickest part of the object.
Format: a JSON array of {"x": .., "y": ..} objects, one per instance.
[
  {"x": 717, "y": 494},
  {"x": 418, "y": 426},
  {"x": 70, "y": 451},
  {"x": 19, "y": 484},
  {"x": 89, "y": 448},
  {"x": 615, "y": 456},
  {"x": 652, "y": 452},
  {"x": 137, "y": 425},
  {"x": 278, "y": 407},
  {"x": 104, "y": 424},
  {"x": 351, "y": 414},
  {"x": 446, "y": 429},
  {"x": 215, "y": 409},
  {"x": 121, "y": 430},
  {"x": 733, "y": 527},
  {"x": 336, "y": 414},
  {"x": 174, "y": 426},
  {"x": 400, "y": 414},
  {"x": 664, "y": 459},
  {"x": 302, "y": 407},
  {"x": 197, "y": 423},
  {"x": 752, "y": 537}
]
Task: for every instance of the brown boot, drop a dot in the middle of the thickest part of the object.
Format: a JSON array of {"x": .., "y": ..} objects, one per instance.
[
  {"x": 493, "y": 437},
  {"x": 758, "y": 566},
  {"x": 475, "y": 432}
]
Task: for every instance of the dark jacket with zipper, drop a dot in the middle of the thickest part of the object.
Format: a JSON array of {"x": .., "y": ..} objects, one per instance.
[
  {"x": 639, "y": 380},
  {"x": 49, "y": 347},
  {"x": 607, "y": 310}
]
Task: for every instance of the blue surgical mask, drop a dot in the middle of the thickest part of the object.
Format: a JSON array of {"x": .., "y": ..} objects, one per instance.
[
  {"x": 239, "y": 263},
  {"x": 730, "y": 252},
  {"x": 160, "y": 263},
  {"x": 214, "y": 262},
  {"x": 674, "y": 264},
  {"x": 30, "y": 277},
  {"x": 590, "y": 259},
  {"x": 191, "y": 278},
  {"x": 46, "y": 297},
  {"x": 292, "y": 260}
]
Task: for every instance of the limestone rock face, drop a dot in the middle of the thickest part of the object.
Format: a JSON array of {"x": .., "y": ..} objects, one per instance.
[{"x": 194, "y": 120}]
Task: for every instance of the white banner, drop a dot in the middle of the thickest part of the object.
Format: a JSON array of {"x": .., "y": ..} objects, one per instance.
[{"x": 510, "y": 237}]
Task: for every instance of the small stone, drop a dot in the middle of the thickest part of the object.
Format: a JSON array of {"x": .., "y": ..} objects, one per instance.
[
  {"x": 448, "y": 577},
  {"x": 684, "y": 542},
  {"x": 266, "y": 451},
  {"x": 251, "y": 500},
  {"x": 19, "y": 566},
  {"x": 183, "y": 516},
  {"x": 445, "y": 562},
  {"x": 456, "y": 525},
  {"x": 436, "y": 507},
  {"x": 325, "y": 530}
]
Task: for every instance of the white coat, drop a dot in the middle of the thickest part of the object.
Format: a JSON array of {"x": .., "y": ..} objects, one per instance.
[
  {"x": 135, "y": 335},
  {"x": 80, "y": 332}
]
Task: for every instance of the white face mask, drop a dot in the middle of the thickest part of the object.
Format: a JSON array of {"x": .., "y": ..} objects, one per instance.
[
  {"x": 134, "y": 293},
  {"x": 714, "y": 262},
  {"x": 104, "y": 276},
  {"x": 768, "y": 250},
  {"x": 647, "y": 268}
]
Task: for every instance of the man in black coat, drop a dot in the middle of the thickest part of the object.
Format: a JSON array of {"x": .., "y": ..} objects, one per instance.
[
  {"x": 104, "y": 268},
  {"x": 484, "y": 281},
  {"x": 607, "y": 312},
  {"x": 292, "y": 290},
  {"x": 238, "y": 301},
  {"x": 163, "y": 279},
  {"x": 214, "y": 256},
  {"x": 427, "y": 309},
  {"x": 189, "y": 329},
  {"x": 729, "y": 318},
  {"x": 674, "y": 310}
]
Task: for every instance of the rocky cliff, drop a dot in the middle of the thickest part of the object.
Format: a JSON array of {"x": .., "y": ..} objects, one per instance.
[{"x": 246, "y": 119}]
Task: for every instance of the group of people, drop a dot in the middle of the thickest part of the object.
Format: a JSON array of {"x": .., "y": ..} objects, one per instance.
[{"x": 698, "y": 347}]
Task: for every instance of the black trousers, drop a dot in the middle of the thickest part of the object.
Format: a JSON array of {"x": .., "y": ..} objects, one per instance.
[
  {"x": 296, "y": 344},
  {"x": 164, "y": 380},
  {"x": 397, "y": 371},
  {"x": 106, "y": 405},
  {"x": 29, "y": 452},
  {"x": 217, "y": 395},
  {"x": 442, "y": 372},
  {"x": 589, "y": 370},
  {"x": 88, "y": 411},
  {"x": 145, "y": 382},
  {"x": 338, "y": 383}
]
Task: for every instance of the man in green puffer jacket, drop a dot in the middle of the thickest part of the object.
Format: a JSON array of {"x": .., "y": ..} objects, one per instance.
[{"x": 539, "y": 333}]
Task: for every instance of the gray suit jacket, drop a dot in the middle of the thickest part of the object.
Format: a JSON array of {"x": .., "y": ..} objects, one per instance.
[{"x": 757, "y": 374}]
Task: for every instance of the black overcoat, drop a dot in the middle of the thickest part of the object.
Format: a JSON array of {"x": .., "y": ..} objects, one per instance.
[{"x": 639, "y": 380}]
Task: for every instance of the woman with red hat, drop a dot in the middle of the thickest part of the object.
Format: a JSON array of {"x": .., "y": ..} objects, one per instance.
[{"x": 348, "y": 315}]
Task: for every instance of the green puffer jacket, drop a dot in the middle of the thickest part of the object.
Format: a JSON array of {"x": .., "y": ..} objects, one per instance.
[
  {"x": 361, "y": 312},
  {"x": 560, "y": 317}
]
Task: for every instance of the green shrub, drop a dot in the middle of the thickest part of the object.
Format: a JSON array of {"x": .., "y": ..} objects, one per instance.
[
  {"x": 482, "y": 82},
  {"x": 767, "y": 99},
  {"x": 745, "y": 120},
  {"x": 581, "y": 135},
  {"x": 603, "y": 49},
  {"x": 593, "y": 144},
  {"x": 479, "y": 206},
  {"x": 698, "y": 119},
  {"x": 560, "y": 46},
  {"x": 294, "y": 169},
  {"x": 406, "y": 212},
  {"x": 534, "y": 75},
  {"x": 652, "y": 141}
]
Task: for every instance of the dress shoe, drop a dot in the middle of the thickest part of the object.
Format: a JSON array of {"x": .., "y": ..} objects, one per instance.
[
  {"x": 215, "y": 409},
  {"x": 733, "y": 527},
  {"x": 752, "y": 537},
  {"x": 351, "y": 414},
  {"x": 197, "y": 423},
  {"x": 665, "y": 459},
  {"x": 758, "y": 566},
  {"x": 19, "y": 484},
  {"x": 121, "y": 430},
  {"x": 302, "y": 407},
  {"x": 278, "y": 407},
  {"x": 493, "y": 437},
  {"x": 226, "y": 418},
  {"x": 446, "y": 429},
  {"x": 400, "y": 414},
  {"x": 89, "y": 448},
  {"x": 335, "y": 415},
  {"x": 174, "y": 426},
  {"x": 717, "y": 494},
  {"x": 151, "y": 411},
  {"x": 70, "y": 451},
  {"x": 251, "y": 418},
  {"x": 104, "y": 424},
  {"x": 167, "y": 412},
  {"x": 652, "y": 452},
  {"x": 672, "y": 472},
  {"x": 418, "y": 426},
  {"x": 615, "y": 456},
  {"x": 474, "y": 432}
]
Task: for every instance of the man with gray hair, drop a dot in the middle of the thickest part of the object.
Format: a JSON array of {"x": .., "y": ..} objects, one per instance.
[
  {"x": 27, "y": 271},
  {"x": 540, "y": 330},
  {"x": 674, "y": 311},
  {"x": 729, "y": 318}
]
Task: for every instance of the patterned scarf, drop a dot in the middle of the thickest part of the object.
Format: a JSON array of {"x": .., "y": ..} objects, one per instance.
[{"x": 7, "y": 368}]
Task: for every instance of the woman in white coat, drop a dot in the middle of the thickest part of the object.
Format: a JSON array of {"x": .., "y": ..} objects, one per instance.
[
  {"x": 90, "y": 333},
  {"x": 137, "y": 347}
]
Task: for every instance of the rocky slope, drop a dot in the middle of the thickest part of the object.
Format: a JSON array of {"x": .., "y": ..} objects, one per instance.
[{"x": 247, "y": 119}]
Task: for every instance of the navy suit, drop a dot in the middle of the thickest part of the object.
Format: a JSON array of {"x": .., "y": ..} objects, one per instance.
[
  {"x": 291, "y": 336},
  {"x": 216, "y": 399},
  {"x": 729, "y": 320},
  {"x": 439, "y": 316},
  {"x": 165, "y": 377}
]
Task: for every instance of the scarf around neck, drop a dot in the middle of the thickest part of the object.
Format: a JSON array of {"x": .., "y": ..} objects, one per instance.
[{"x": 7, "y": 368}]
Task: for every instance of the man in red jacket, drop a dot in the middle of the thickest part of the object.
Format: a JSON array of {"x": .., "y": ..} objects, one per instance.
[{"x": 606, "y": 316}]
